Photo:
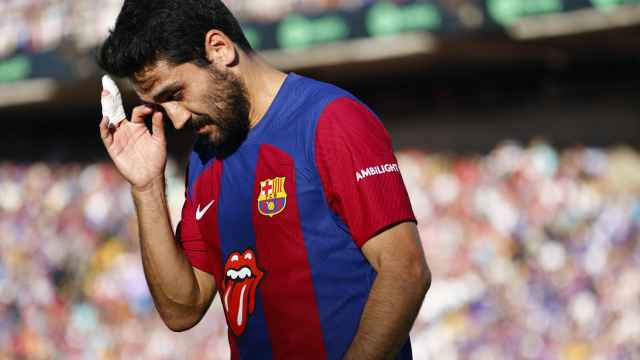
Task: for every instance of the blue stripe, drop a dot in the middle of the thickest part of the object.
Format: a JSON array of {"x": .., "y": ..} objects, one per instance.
[
  {"x": 237, "y": 234},
  {"x": 342, "y": 277},
  {"x": 201, "y": 158}
]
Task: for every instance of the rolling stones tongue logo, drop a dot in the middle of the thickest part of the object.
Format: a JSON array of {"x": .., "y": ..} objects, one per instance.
[{"x": 242, "y": 277}]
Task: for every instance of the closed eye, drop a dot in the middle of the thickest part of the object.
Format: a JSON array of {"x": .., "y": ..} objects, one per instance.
[
  {"x": 176, "y": 96},
  {"x": 168, "y": 93},
  {"x": 153, "y": 106}
]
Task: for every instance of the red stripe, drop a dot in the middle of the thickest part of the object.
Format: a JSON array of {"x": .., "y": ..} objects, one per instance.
[
  {"x": 288, "y": 297},
  {"x": 207, "y": 189}
]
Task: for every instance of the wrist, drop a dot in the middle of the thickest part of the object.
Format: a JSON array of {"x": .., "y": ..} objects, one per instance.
[{"x": 155, "y": 186}]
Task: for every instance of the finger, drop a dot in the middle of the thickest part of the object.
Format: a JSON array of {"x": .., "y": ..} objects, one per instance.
[
  {"x": 158, "y": 126},
  {"x": 111, "y": 101},
  {"x": 140, "y": 113},
  {"x": 105, "y": 134}
]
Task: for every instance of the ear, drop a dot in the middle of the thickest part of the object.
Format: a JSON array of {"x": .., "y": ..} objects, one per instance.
[{"x": 219, "y": 48}]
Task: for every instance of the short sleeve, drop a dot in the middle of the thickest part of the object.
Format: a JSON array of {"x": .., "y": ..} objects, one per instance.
[
  {"x": 359, "y": 172},
  {"x": 191, "y": 241}
]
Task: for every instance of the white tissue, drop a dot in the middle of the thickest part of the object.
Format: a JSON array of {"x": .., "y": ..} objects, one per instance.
[{"x": 112, "y": 103}]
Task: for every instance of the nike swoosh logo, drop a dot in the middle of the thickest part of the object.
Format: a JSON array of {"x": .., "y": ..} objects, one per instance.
[{"x": 199, "y": 213}]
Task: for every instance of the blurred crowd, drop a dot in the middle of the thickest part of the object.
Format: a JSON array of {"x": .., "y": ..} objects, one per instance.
[
  {"x": 33, "y": 26},
  {"x": 535, "y": 254},
  {"x": 71, "y": 279}
]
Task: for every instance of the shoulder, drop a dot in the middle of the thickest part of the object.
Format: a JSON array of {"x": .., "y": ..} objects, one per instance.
[
  {"x": 313, "y": 96},
  {"x": 345, "y": 121},
  {"x": 348, "y": 113},
  {"x": 316, "y": 88},
  {"x": 323, "y": 104},
  {"x": 326, "y": 103},
  {"x": 308, "y": 102}
]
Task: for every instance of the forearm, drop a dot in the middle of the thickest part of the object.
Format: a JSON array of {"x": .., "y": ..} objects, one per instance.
[
  {"x": 169, "y": 275},
  {"x": 392, "y": 306}
]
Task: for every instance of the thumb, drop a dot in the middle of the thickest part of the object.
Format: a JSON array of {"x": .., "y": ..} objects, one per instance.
[{"x": 157, "y": 126}]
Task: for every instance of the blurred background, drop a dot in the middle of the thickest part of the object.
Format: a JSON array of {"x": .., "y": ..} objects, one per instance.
[{"x": 516, "y": 126}]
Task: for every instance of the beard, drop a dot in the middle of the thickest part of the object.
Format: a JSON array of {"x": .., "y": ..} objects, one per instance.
[{"x": 228, "y": 99}]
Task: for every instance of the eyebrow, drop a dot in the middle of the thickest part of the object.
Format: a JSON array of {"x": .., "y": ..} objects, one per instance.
[{"x": 166, "y": 92}]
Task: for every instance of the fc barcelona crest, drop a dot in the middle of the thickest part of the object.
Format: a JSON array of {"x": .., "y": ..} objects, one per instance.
[{"x": 272, "y": 198}]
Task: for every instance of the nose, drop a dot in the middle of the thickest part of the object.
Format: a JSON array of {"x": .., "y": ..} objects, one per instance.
[{"x": 178, "y": 114}]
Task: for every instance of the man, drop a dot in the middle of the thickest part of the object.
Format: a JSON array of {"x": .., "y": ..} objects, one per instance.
[{"x": 295, "y": 209}]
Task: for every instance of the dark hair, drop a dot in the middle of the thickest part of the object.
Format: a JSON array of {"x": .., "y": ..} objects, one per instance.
[{"x": 147, "y": 31}]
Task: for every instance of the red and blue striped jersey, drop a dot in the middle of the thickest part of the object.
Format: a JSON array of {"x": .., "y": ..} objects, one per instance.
[{"x": 280, "y": 222}]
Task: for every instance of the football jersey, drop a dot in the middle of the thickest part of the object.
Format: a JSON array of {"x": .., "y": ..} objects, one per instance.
[{"x": 280, "y": 222}]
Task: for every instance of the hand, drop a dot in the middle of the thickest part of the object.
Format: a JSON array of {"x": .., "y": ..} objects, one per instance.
[{"x": 139, "y": 155}]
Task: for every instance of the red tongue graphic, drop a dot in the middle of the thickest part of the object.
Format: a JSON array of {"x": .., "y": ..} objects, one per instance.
[{"x": 236, "y": 303}]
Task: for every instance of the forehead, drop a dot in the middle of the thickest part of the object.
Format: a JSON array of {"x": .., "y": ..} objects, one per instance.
[
  {"x": 151, "y": 76},
  {"x": 162, "y": 77}
]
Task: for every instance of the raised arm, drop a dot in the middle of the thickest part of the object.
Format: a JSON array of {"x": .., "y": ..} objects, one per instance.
[{"x": 181, "y": 293}]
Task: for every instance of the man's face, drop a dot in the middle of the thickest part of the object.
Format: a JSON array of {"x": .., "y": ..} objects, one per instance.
[{"x": 213, "y": 101}]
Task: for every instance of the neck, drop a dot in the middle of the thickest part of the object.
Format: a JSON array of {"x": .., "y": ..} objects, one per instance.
[{"x": 262, "y": 82}]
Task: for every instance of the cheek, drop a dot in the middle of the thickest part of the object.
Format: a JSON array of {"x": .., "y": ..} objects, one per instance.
[
  {"x": 216, "y": 105},
  {"x": 201, "y": 107}
]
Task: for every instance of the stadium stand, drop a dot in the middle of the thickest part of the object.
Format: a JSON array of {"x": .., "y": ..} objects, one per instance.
[{"x": 516, "y": 131}]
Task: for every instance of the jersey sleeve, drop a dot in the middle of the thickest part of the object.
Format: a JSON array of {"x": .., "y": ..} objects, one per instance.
[
  {"x": 191, "y": 240},
  {"x": 358, "y": 170}
]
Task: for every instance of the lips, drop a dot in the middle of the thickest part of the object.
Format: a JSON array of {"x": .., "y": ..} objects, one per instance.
[
  {"x": 202, "y": 129},
  {"x": 242, "y": 277}
]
